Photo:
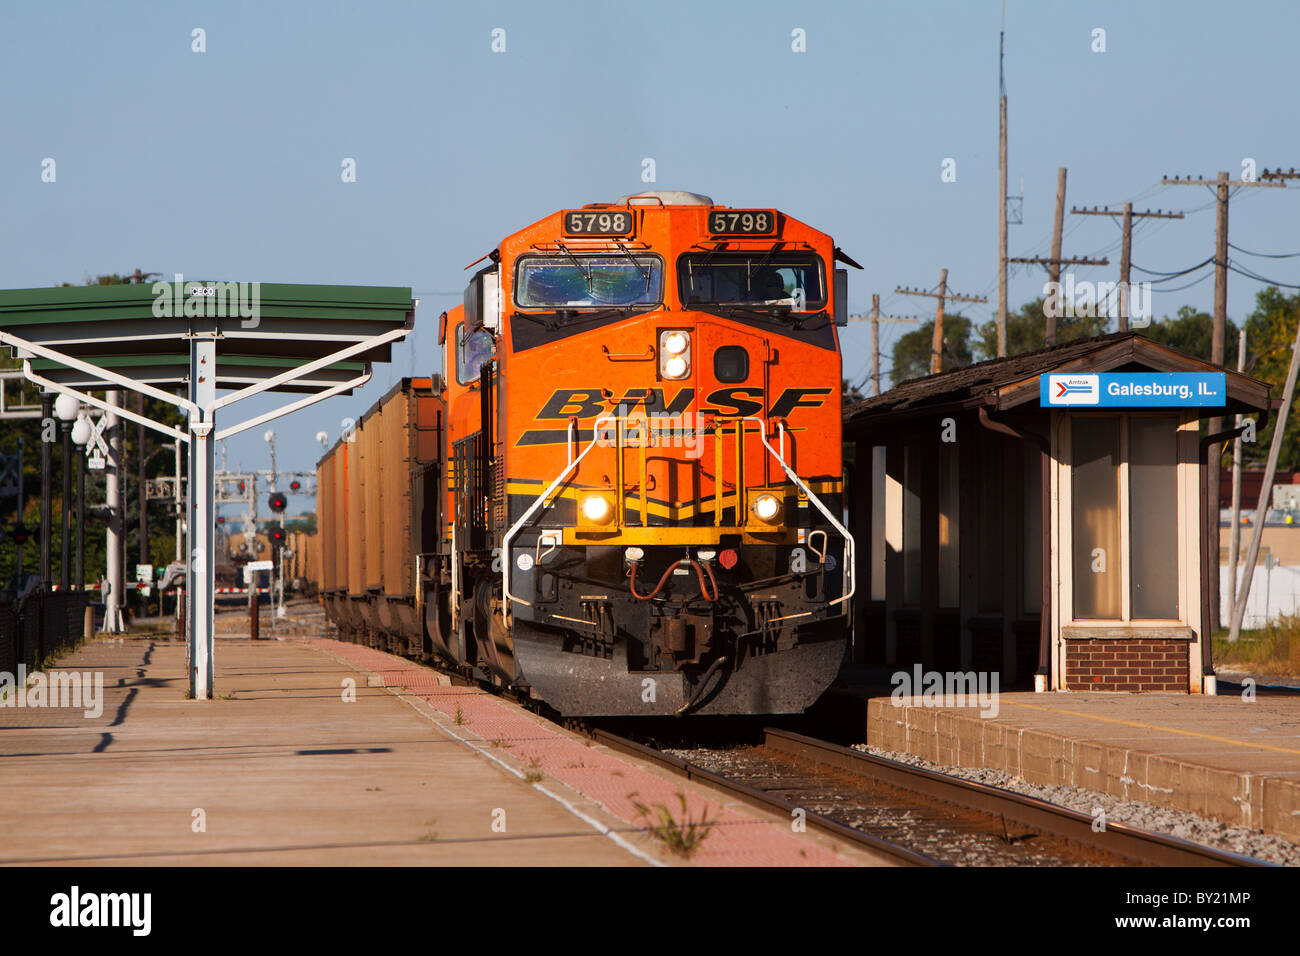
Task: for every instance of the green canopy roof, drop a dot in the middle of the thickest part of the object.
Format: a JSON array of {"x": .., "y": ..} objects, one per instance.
[{"x": 261, "y": 329}]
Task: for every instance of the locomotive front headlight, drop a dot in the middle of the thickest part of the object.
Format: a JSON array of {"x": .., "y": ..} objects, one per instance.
[
  {"x": 767, "y": 507},
  {"x": 674, "y": 354},
  {"x": 675, "y": 367},
  {"x": 596, "y": 509}
]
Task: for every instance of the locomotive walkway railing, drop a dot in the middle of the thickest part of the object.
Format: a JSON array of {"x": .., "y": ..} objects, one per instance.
[{"x": 597, "y": 437}]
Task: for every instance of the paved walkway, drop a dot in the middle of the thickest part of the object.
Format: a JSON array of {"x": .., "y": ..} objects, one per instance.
[{"x": 284, "y": 769}]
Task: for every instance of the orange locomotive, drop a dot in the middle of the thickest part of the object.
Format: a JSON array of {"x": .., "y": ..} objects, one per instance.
[{"x": 639, "y": 466}]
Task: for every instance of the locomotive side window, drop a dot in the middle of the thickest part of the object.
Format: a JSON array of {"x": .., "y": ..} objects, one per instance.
[
  {"x": 731, "y": 364},
  {"x": 587, "y": 282},
  {"x": 756, "y": 279},
  {"x": 472, "y": 353}
]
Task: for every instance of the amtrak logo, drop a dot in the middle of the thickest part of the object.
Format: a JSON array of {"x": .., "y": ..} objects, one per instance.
[{"x": 1074, "y": 389}]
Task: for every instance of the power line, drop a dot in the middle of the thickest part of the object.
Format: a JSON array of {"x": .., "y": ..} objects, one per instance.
[
  {"x": 1265, "y": 255},
  {"x": 1260, "y": 278},
  {"x": 1180, "y": 288},
  {"x": 1175, "y": 275}
]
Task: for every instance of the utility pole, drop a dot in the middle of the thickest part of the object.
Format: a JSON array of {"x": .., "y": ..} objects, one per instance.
[
  {"x": 1234, "y": 538},
  {"x": 1215, "y": 425},
  {"x": 1054, "y": 265},
  {"x": 1126, "y": 247},
  {"x": 875, "y": 318},
  {"x": 1054, "y": 262},
  {"x": 943, "y": 295},
  {"x": 1002, "y": 188}
]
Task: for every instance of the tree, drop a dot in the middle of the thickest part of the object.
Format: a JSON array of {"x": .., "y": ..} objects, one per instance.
[
  {"x": 1027, "y": 330},
  {"x": 162, "y": 537},
  {"x": 912, "y": 351},
  {"x": 1191, "y": 332},
  {"x": 850, "y": 393},
  {"x": 1270, "y": 333}
]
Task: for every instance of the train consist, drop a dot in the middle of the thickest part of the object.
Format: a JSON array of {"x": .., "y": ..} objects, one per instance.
[
  {"x": 622, "y": 493},
  {"x": 299, "y": 558}
]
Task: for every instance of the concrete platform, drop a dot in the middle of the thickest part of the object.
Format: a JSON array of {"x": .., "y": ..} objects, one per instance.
[
  {"x": 1222, "y": 757},
  {"x": 283, "y": 769}
]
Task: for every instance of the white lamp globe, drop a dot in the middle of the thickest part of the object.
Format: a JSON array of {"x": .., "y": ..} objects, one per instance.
[
  {"x": 81, "y": 430},
  {"x": 66, "y": 407}
]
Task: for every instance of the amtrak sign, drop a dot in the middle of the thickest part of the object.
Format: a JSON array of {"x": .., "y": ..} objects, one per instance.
[{"x": 1132, "y": 389}]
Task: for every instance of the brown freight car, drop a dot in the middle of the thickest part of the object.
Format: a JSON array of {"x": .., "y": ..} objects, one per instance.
[{"x": 370, "y": 526}]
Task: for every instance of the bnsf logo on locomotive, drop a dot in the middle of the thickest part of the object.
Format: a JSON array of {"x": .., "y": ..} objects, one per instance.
[{"x": 735, "y": 402}]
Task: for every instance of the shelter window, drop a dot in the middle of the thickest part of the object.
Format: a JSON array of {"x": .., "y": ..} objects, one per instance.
[{"x": 1124, "y": 517}]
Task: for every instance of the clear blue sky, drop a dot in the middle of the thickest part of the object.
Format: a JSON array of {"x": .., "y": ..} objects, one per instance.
[{"x": 226, "y": 164}]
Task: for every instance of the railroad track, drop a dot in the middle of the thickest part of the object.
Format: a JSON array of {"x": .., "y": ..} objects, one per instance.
[{"x": 962, "y": 821}]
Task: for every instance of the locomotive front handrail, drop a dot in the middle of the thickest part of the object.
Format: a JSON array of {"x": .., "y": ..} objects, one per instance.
[
  {"x": 817, "y": 502},
  {"x": 506, "y": 596}
]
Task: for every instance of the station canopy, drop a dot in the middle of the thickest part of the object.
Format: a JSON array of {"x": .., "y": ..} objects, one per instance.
[
  {"x": 119, "y": 328},
  {"x": 181, "y": 342}
]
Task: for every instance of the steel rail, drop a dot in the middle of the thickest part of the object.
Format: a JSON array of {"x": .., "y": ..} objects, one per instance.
[
  {"x": 900, "y": 854},
  {"x": 1141, "y": 846}
]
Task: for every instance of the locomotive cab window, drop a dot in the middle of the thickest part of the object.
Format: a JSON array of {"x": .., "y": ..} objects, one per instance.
[
  {"x": 588, "y": 282},
  {"x": 472, "y": 353},
  {"x": 753, "y": 280}
]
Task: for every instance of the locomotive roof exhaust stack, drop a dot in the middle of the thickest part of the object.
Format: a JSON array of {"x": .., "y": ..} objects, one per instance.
[{"x": 670, "y": 197}]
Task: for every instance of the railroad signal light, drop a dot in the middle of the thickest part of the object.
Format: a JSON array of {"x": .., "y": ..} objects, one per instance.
[
  {"x": 294, "y": 485},
  {"x": 277, "y": 533},
  {"x": 242, "y": 487},
  {"x": 278, "y": 502},
  {"x": 20, "y": 534}
]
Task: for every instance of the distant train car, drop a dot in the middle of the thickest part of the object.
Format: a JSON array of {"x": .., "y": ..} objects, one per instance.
[
  {"x": 622, "y": 493},
  {"x": 233, "y": 552},
  {"x": 301, "y": 550}
]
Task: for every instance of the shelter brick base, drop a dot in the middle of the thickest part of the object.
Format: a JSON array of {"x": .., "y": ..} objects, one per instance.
[{"x": 1126, "y": 665}]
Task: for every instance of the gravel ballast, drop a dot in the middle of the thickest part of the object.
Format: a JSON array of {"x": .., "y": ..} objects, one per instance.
[{"x": 1137, "y": 813}]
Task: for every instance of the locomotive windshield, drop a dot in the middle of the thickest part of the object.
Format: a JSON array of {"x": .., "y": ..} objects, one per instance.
[
  {"x": 753, "y": 280},
  {"x": 575, "y": 281}
]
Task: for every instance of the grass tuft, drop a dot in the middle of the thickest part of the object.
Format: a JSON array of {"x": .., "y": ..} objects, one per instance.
[
  {"x": 1274, "y": 649},
  {"x": 681, "y": 836}
]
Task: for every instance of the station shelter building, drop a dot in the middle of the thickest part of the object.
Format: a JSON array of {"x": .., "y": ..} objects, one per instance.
[{"x": 1045, "y": 516}]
